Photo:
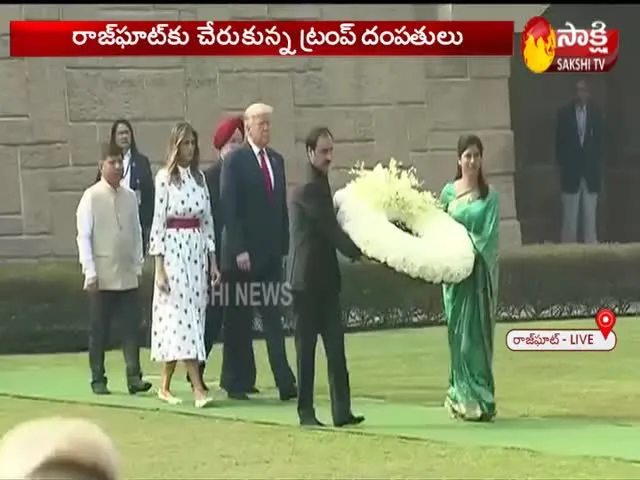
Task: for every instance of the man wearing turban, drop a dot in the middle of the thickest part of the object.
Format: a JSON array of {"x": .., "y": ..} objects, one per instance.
[{"x": 228, "y": 135}]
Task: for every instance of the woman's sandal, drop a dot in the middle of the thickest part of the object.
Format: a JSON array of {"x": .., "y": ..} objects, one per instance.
[
  {"x": 451, "y": 408},
  {"x": 471, "y": 412},
  {"x": 169, "y": 398},
  {"x": 203, "y": 402}
]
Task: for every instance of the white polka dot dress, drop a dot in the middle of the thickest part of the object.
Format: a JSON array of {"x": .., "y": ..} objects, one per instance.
[{"x": 178, "y": 317}]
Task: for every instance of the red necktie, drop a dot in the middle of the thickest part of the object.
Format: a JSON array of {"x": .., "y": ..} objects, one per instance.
[{"x": 265, "y": 171}]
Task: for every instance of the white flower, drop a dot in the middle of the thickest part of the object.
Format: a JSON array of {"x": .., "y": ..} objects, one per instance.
[{"x": 440, "y": 249}]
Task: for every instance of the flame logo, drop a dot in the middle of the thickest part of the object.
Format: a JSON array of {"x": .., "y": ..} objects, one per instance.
[{"x": 538, "y": 45}]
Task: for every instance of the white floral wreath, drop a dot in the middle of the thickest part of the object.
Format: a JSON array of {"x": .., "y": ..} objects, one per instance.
[{"x": 439, "y": 251}]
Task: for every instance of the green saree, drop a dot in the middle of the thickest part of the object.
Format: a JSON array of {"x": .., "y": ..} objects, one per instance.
[{"x": 470, "y": 307}]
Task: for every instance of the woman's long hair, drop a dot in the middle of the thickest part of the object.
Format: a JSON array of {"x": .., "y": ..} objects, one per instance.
[
  {"x": 464, "y": 142},
  {"x": 112, "y": 139},
  {"x": 112, "y": 136},
  {"x": 179, "y": 133}
]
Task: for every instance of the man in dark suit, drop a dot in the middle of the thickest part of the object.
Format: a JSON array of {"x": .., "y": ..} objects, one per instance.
[
  {"x": 314, "y": 275},
  {"x": 255, "y": 236},
  {"x": 136, "y": 174},
  {"x": 579, "y": 153},
  {"x": 228, "y": 136}
]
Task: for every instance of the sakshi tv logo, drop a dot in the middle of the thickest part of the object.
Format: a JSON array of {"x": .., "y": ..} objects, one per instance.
[{"x": 546, "y": 49}]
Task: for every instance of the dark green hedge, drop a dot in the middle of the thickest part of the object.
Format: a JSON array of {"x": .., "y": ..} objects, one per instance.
[
  {"x": 536, "y": 282},
  {"x": 43, "y": 309}
]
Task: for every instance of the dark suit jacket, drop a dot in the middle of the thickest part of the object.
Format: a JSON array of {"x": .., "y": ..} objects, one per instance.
[
  {"x": 579, "y": 161},
  {"x": 252, "y": 220},
  {"x": 212, "y": 177},
  {"x": 141, "y": 179},
  {"x": 315, "y": 236}
]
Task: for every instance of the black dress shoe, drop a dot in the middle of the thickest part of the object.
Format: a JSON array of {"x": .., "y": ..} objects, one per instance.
[
  {"x": 100, "y": 389},
  {"x": 287, "y": 395},
  {"x": 237, "y": 396},
  {"x": 350, "y": 421},
  {"x": 310, "y": 422},
  {"x": 139, "y": 387}
]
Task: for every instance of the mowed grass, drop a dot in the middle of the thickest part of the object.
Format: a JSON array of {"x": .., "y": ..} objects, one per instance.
[{"x": 403, "y": 366}]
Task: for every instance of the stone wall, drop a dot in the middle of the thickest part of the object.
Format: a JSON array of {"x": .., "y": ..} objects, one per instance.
[{"x": 53, "y": 112}]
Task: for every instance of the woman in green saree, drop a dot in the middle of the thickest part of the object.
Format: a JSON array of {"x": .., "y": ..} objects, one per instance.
[{"x": 470, "y": 305}]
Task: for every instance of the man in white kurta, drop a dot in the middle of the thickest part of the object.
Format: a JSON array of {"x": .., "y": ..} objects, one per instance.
[{"x": 110, "y": 252}]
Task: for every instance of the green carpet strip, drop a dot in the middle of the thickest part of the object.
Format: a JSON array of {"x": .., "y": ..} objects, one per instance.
[{"x": 560, "y": 436}]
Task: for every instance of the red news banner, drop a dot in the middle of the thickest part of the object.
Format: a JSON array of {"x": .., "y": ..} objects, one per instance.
[{"x": 263, "y": 38}]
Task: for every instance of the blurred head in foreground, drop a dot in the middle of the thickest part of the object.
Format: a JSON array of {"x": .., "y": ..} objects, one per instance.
[{"x": 58, "y": 448}]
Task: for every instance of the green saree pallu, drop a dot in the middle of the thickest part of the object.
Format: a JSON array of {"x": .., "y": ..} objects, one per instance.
[{"x": 470, "y": 308}]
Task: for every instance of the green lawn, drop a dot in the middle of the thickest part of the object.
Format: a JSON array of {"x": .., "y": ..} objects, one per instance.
[{"x": 408, "y": 366}]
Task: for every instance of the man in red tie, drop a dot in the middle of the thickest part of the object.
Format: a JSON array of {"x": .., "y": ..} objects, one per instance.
[{"x": 255, "y": 240}]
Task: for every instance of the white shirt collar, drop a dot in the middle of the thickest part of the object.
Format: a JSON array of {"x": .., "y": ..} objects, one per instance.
[{"x": 255, "y": 148}]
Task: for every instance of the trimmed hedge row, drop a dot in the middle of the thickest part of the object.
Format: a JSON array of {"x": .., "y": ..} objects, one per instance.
[{"x": 43, "y": 309}]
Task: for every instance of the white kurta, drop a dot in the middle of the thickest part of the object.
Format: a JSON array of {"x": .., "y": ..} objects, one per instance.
[{"x": 178, "y": 318}]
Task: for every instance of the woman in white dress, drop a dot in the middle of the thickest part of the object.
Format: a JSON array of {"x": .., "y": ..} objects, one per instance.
[{"x": 181, "y": 239}]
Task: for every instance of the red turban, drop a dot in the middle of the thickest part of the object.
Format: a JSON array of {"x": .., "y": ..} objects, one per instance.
[{"x": 226, "y": 129}]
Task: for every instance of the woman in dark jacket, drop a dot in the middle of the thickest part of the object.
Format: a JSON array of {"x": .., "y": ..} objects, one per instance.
[{"x": 137, "y": 173}]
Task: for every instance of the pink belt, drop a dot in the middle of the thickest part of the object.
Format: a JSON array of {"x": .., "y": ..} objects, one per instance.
[{"x": 183, "y": 223}]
